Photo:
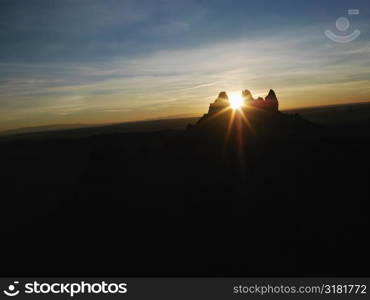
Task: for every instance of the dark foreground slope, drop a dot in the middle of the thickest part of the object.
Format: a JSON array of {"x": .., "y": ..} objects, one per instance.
[{"x": 280, "y": 196}]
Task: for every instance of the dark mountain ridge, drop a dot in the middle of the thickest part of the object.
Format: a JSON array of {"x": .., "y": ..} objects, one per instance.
[{"x": 267, "y": 194}]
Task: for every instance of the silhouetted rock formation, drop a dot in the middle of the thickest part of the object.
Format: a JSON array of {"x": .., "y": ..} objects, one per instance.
[
  {"x": 247, "y": 96},
  {"x": 222, "y": 104},
  {"x": 270, "y": 102}
]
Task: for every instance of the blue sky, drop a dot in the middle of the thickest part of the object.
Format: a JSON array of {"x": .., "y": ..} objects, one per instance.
[{"x": 95, "y": 61}]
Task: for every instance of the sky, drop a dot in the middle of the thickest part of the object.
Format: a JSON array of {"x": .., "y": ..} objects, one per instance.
[{"x": 106, "y": 61}]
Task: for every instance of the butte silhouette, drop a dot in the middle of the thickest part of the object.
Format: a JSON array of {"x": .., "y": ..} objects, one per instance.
[
  {"x": 270, "y": 103},
  {"x": 253, "y": 118}
]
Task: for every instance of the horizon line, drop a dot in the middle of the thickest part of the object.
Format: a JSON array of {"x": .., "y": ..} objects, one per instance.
[{"x": 169, "y": 117}]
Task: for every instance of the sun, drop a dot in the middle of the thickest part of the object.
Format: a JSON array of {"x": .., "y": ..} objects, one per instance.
[{"x": 236, "y": 100}]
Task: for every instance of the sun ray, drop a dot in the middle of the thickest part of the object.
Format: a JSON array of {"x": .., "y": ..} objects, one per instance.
[
  {"x": 247, "y": 122},
  {"x": 228, "y": 131},
  {"x": 218, "y": 113}
]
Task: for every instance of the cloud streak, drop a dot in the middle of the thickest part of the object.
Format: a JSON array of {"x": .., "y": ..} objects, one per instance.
[{"x": 302, "y": 65}]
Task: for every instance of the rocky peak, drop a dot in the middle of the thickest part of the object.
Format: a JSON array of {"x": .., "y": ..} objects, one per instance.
[
  {"x": 222, "y": 104},
  {"x": 271, "y": 95},
  {"x": 223, "y": 95},
  {"x": 272, "y": 102}
]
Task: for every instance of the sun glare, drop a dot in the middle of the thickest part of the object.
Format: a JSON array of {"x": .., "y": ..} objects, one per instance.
[{"x": 236, "y": 100}]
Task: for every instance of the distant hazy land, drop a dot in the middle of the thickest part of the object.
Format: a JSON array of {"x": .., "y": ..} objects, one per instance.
[{"x": 329, "y": 115}]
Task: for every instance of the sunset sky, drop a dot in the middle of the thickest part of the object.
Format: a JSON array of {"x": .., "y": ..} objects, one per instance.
[{"x": 96, "y": 61}]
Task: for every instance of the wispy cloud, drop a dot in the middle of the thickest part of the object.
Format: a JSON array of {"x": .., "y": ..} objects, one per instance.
[{"x": 302, "y": 65}]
